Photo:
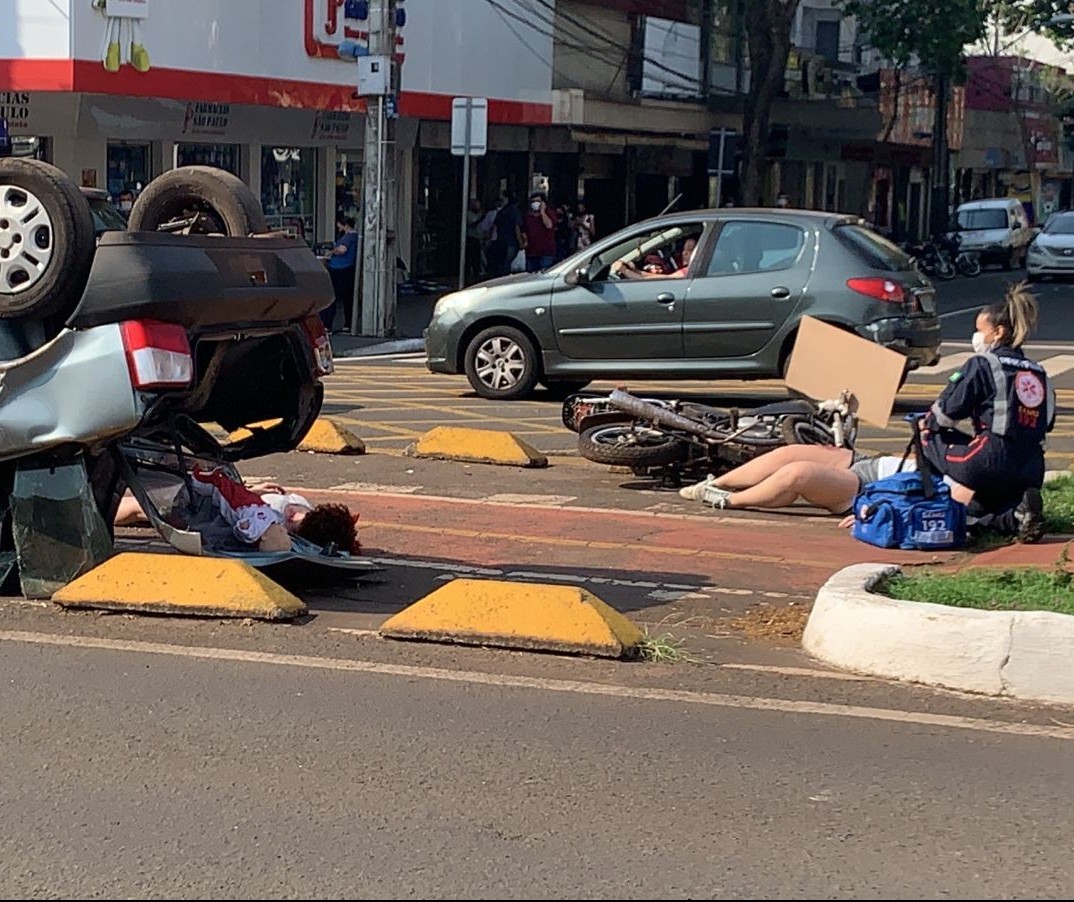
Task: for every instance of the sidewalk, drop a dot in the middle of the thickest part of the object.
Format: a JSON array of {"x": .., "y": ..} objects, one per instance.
[{"x": 412, "y": 316}]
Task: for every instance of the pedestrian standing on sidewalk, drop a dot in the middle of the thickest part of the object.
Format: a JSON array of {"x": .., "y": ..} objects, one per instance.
[
  {"x": 539, "y": 231},
  {"x": 508, "y": 227},
  {"x": 342, "y": 267}
]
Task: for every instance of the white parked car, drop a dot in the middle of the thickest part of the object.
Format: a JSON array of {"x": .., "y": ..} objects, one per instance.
[
  {"x": 1052, "y": 251},
  {"x": 996, "y": 230}
]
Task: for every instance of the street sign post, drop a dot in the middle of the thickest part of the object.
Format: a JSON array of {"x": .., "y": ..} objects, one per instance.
[{"x": 469, "y": 138}]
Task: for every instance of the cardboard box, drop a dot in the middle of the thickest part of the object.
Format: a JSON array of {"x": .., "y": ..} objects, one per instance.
[{"x": 827, "y": 360}]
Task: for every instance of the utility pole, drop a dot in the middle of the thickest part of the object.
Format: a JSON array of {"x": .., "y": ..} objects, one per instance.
[
  {"x": 938, "y": 220},
  {"x": 380, "y": 215}
]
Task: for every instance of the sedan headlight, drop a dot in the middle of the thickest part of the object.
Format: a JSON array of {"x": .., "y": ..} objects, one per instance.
[{"x": 455, "y": 299}]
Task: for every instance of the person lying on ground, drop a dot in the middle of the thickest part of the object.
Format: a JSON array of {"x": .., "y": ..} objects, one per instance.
[
  {"x": 831, "y": 478},
  {"x": 262, "y": 515},
  {"x": 996, "y": 473}
]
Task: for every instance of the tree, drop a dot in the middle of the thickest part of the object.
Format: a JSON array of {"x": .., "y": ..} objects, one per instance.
[
  {"x": 933, "y": 35},
  {"x": 767, "y": 25}
]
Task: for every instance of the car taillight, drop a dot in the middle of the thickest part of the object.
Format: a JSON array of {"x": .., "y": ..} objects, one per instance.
[
  {"x": 322, "y": 346},
  {"x": 878, "y": 288},
  {"x": 158, "y": 354}
]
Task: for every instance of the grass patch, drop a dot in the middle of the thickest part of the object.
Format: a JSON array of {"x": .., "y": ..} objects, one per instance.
[
  {"x": 662, "y": 650},
  {"x": 1021, "y": 589},
  {"x": 1058, "y": 497}
]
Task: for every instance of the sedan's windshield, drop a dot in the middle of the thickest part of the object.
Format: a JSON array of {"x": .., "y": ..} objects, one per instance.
[
  {"x": 1061, "y": 225},
  {"x": 982, "y": 219}
]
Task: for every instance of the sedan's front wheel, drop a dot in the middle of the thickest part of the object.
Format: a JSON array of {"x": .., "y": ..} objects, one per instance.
[{"x": 501, "y": 364}]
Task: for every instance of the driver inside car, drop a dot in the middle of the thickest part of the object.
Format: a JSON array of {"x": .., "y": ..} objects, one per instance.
[{"x": 626, "y": 269}]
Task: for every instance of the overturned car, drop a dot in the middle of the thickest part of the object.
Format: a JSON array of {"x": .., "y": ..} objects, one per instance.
[{"x": 117, "y": 348}]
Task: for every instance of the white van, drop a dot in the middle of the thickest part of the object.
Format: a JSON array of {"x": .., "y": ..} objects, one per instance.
[{"x": 996, "y": 229}]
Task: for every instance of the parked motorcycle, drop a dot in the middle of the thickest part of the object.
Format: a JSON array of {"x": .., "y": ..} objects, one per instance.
[
  {"x": 933, "y": 258},
  {"x": 968, "y": 263},
  {"x": 666, "y": 439}
]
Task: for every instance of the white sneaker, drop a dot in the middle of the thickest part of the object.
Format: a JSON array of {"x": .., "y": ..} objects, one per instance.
[
  {"x": 696, "y": 491},
  {"x": 715, "y": 496}
]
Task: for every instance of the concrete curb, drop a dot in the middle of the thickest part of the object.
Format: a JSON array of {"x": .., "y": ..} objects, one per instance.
[
  {"x": 401, "y": 346},
  {"x": 1018, "y": 654}
]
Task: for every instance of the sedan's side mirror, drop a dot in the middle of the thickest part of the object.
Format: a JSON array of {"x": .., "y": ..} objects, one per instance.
[{"x": 579, "y": 276}]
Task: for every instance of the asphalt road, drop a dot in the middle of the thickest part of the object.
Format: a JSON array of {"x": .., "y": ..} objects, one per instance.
[
  {"x": 166, "y": 775},
  {"x": 960, "y": 299}
]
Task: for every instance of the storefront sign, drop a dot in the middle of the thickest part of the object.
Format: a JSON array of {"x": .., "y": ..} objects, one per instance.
[
  {"x": 127, "y": 9},
  {"x": 15, "y": 108},
  {"x": 204, "y": 118},
  {"x": 331, "y": 125}
]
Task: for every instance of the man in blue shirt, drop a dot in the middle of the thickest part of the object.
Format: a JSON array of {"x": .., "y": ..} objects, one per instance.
[{"x": 342, "y": 266}]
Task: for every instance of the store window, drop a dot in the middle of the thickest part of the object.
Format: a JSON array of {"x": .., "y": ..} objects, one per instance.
[
  {"x": 222, "y": 156},
  {"x": 289, "y": 189},
  {"x": 349, "y": 184},
  {"x": 128, "y": 167}
]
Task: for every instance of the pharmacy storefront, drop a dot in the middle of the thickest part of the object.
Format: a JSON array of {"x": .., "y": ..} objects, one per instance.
[{"x": 117, "y": 94}]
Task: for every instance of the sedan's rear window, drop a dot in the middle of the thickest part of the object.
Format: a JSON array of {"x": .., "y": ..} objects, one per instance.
[{"x": 872, "y": 248}]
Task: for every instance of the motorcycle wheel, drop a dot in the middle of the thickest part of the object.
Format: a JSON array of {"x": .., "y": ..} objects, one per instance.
[
  {"x": 624, "y": 445},
  {"x": 968, "y": 265},
  {"x": 944, "y": 269},
  {"x": 801, "y": 431}
]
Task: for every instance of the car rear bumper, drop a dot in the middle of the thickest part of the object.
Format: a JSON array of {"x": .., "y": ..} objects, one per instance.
[{"x": 918, "y": 338}]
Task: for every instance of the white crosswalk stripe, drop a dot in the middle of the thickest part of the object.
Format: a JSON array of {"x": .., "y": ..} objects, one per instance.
[
  {"x": 1059, "y": 364},
  {"x": 948, "y": 363}
]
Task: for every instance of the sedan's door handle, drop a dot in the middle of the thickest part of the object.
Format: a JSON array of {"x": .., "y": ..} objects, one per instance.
[
  {"x": 665, "y": 297},
  {"x": 781, "y": 293}
]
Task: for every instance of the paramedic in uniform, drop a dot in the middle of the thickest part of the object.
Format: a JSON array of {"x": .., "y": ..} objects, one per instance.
[{"x": 1007, "y": 400}]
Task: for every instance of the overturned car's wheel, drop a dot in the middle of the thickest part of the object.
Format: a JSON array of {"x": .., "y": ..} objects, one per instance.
[
  {"x": 46, "y": 240},
  {"x": 220, "y": 202},
  {"x": 624, "y": 445}
]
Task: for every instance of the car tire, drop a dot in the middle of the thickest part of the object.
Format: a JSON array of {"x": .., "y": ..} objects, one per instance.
[
  {"x": 48, "y": 279},
  {"x": 625, "y": 445},
  {"x": 229, "y": 205},
  {"x": 501, "y": 364}
]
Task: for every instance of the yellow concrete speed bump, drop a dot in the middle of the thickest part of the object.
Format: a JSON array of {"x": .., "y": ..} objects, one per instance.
[
  {"x": 326, "y": 436},
  {"x": 517, "y": 615},
  {"x": 174, "y": 584},
  {"x": 329, "y": 437},
  {"x": 244, "y": 432},
  {"x": 487, "y": 446}
]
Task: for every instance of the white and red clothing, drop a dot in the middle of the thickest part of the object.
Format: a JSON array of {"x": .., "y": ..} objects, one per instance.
[{"x": 246, "y": 512}]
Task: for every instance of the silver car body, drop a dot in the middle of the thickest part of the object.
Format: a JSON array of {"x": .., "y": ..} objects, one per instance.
[
  {"x": 1052, "y": 251},
  {"x": 74, "y": 389}
]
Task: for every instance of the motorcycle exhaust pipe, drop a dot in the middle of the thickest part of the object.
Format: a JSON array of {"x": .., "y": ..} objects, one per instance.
[{"x": 643, "y": 410}]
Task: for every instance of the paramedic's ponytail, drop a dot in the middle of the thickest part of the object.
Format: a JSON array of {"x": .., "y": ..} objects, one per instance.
[{"x": 1017, "y": 314}]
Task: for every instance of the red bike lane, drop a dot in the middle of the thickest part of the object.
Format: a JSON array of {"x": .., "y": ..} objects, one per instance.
[{"x": 791, "y": 554}]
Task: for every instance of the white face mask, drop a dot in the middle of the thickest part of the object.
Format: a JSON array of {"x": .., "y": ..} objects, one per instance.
[
  {"x": 980, "y": 346},
  {"x": 125, "y": 206}
]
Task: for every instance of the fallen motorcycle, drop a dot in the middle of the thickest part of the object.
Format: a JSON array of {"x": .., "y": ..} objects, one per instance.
[{"x": 668, "y": 439}]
